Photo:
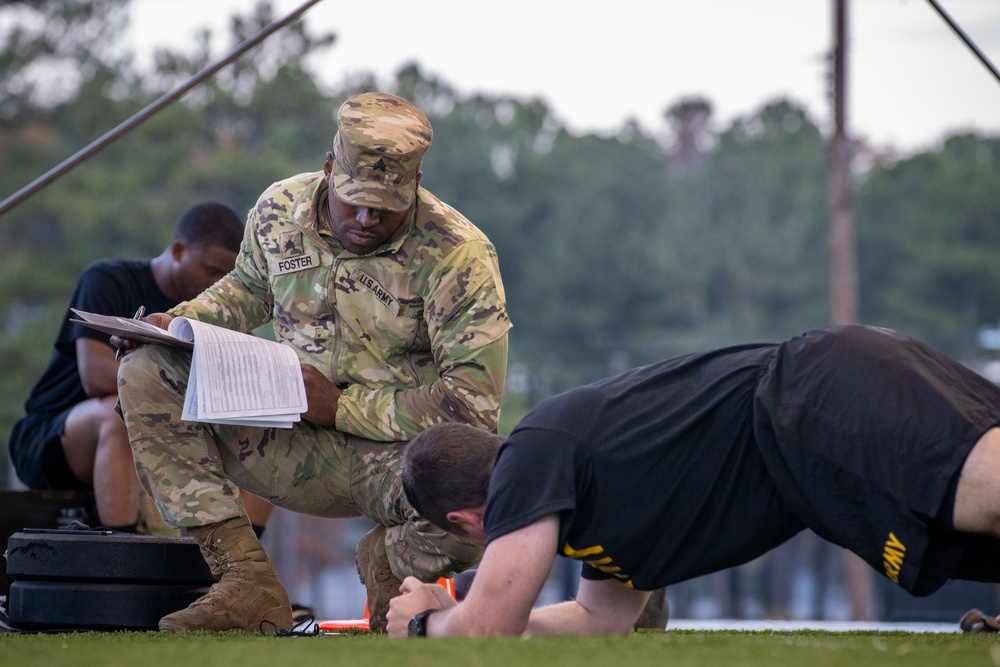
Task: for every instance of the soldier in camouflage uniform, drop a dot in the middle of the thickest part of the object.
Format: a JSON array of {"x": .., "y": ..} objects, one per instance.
[{"x": 394, "y": 303}]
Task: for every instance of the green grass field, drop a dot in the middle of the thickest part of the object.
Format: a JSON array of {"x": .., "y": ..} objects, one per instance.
[{"x": 677, "y": 648}]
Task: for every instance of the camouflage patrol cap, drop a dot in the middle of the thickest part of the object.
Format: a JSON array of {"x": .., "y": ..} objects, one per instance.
[{"x": 380, "y": 142}]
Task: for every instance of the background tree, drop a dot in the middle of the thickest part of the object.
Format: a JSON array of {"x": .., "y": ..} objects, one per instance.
[
  {"x": 929, "y": 232},
  {"x": 615, "y": 250}
]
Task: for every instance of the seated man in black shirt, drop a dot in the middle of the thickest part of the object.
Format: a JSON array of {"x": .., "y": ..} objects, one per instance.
[
  {"x": 71, "y": 437},
  {"x": 870, "y": 438}
]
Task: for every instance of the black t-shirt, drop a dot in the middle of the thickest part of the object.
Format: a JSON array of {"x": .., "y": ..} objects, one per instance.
[
  {"x": 654, "y": 473},
  {"x": 108, "y": 287}
]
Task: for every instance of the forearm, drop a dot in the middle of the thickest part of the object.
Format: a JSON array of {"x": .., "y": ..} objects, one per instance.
[
  {"x": 462, "y": 621},
  {"x": 101, "y": 381},
  {"x": 230, "y": 303},
  {"x": 571, "y": 618},
  {"x": 507, "y": 583},
  {"x": 97, "y": 366},
  {"x": 469, "y": 391},
  {"x": 558, "y": 619}
]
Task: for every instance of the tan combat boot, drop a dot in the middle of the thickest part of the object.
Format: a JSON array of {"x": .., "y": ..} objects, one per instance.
[
  {"x": 381, "y": 583},
  {"x": 248, "y": 595}
]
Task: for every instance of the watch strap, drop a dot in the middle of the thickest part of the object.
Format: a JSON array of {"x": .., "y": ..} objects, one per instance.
[{"x": 418, "y": 624}]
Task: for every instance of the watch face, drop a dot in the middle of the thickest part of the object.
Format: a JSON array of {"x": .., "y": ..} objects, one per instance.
[{"x": 418, "y": 624}]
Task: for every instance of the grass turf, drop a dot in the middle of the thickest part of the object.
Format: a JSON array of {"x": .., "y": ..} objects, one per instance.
[{"x": 678, "y": 648}]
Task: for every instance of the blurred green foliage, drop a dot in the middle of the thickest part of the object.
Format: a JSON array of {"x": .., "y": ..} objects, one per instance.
[{"x": 615, "y": 250}]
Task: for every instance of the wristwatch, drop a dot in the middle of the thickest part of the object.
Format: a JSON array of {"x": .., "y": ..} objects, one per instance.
[{"x": 418, "y": 624}]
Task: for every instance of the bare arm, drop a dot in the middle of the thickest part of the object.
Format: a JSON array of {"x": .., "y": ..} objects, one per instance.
[
  {"x": 97, "y": 366},
  {"x": 507, "y": 584},
  {"x": 601, "y": 608},
  {"x": 511, "y": 575}
]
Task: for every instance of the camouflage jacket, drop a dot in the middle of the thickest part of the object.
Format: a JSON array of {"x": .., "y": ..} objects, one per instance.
[{"x": 414, "y": 333}]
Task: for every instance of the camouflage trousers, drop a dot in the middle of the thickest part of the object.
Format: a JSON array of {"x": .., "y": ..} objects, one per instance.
[{"x": 194, "y": 471}]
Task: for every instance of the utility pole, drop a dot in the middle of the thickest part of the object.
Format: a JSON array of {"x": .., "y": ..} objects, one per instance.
[
  {"x": 843, "y": 254},
  {"x": 844, "y": 270}
]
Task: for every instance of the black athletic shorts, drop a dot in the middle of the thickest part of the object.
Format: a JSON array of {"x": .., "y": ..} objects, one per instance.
[
  {"x": 865, "y": 432},
  {"x": 36, "y": 451}
]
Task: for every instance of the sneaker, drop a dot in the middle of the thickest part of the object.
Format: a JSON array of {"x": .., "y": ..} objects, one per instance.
[{"x": 373, "y": 569}]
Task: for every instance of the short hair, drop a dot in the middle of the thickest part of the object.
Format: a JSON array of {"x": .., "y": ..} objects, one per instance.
[
  {"x": 210, "y": 224},
  {"x": 448, "y": 468}
]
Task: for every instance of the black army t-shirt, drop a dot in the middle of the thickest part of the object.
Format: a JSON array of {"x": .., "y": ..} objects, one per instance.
[
  {"x": 108, "y": 287},
  {"x": 654, "y": 473}
]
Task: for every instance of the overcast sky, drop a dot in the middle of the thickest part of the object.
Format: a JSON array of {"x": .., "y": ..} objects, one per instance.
[{"x": 598, "y": 62}]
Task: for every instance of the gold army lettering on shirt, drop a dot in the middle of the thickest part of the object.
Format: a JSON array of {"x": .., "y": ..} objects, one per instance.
[
  {"x": 893, "y": 554},
  {"x": 602, "y": 562}
]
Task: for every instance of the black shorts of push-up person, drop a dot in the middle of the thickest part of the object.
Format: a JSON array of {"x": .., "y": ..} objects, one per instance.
[{"x": 865, "y": 431}]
